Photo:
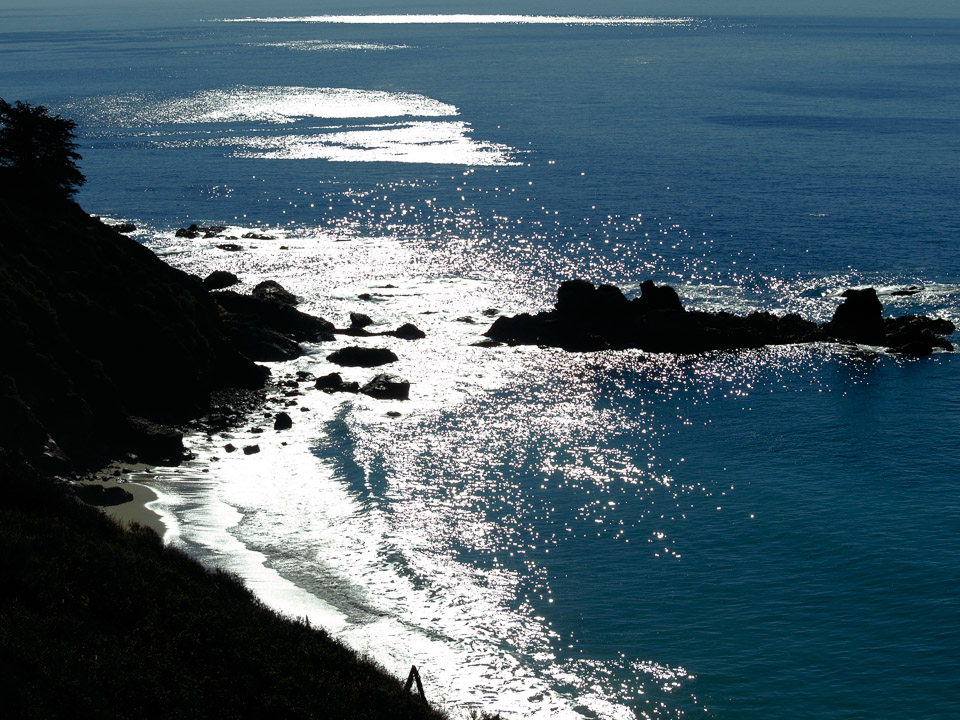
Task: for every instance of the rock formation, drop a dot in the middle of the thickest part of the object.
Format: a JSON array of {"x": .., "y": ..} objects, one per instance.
[{"x": 587, "y": 317}]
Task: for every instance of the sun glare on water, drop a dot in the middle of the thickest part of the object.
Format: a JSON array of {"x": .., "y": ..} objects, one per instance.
[{"x": 465, "y": 19}]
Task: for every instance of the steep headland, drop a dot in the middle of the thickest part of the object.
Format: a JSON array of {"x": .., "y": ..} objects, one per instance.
[{"x": 97, "y": 330}]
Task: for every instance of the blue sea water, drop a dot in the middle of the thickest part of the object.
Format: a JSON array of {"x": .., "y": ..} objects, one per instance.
[{"x": 763, "y": 534}]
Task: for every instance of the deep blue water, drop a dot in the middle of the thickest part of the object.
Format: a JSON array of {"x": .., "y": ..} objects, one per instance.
[{"x": 751, "y": 535}]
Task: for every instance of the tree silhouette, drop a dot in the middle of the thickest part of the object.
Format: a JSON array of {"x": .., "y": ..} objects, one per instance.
[{"x": 38, "y": 148}]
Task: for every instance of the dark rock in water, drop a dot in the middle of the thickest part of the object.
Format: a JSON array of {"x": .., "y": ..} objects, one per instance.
[
  {"x": 257, "y": 236},
  {"x": 251, "y": 449},
  {"x": 220, "y": 279},
  {"x": 153, "y": 443},
  {"x": 230, "y": 247},
  {"x": 256, "y": 430},
  {"x": 595, "y": 318},
  {"x": 906, "y": 292},
  {"x": 353, "y": 356},
  {"x": 334, "y": 383},
  {"x": 259, "y": 343},
  {"x": 653, "y": 297},
  {"x": 394, "y": 414},
  {"x": 467, "y": 320},
  {"x": 268, "y": 330},
  {"x": 282, "y": 421},
  {"x": 359, "y": 320},
  {"x": 859, "y": 318},
  {"x": 365, "y": 296},
  {"x": 276, "y": 316},
  {"x": 486, "y": 344},
  {"x": 102, "y": 497},
  {"x": 407, "y": 331},
  {"x": 125, "y": 228},
  {"x": 194, "y": 231},
  {"x": 230, "y": 447},
  {"x": 387, "y": 387},
  {"x": 304, "y": 376},
  {"x": 491, "y": 312},
  {"x": 271, "y": 290},
  {"x": 189, "y": 232}
]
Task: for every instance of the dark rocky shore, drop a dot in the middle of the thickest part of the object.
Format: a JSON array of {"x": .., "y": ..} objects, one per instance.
[
  {"x": 109, "y": 350},
  {"x": 106, "y": 352},
  {"x": 586, "y": 318}
]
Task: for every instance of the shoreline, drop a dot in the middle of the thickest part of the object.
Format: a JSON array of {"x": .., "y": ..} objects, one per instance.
[{"x": 134, "y": 510}]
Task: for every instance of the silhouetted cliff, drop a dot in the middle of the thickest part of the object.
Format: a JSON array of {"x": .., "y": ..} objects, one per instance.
[{"x": 96, "y": 329}]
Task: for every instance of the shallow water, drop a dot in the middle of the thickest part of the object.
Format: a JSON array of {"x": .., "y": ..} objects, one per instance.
[{"x": 733, "y": 535}]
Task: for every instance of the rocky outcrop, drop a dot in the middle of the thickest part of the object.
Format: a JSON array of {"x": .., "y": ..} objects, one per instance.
[
  {"x": 154, "y": 443},
  {"x": 387, "y": 387},
  {"x": 358, "y": 321},
  {"x": 96, "y": 329},
  {"x": 407, "y": 331},
  {"x": 272, "y": 290},
  {"x": 334, "y": 383},
  {"x": 266, "y": 329},
  {"x": 102, "y": 496},
  {"x": 220, "y": 279},
  {"x": 587, "y": 317},
  {"x": 354, "y": 356}
]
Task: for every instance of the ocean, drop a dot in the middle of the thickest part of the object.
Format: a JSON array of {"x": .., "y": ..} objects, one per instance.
[{"x": 763, "y": 534}]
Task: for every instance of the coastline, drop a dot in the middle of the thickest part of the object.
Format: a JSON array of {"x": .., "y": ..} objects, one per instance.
[{"x": 134, "y": 510}]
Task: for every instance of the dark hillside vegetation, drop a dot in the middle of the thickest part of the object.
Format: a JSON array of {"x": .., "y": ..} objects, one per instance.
[
  {"x": 101, "y": 622},
  {"x": 96, "y": 329}
]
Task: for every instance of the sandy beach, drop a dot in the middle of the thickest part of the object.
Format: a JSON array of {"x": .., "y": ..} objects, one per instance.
[{"x": 135, "y": 510}]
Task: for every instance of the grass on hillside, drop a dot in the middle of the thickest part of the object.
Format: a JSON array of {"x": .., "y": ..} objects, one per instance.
[{"x": 97, "y": 621}]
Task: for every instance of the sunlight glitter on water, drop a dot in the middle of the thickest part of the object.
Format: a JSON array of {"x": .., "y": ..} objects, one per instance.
[
  {"x": 469, "y": 19},
  {"x": 275, "y": 105},
  {"x": 330, "y": 46},
  {"x": 421, "y": 142}
]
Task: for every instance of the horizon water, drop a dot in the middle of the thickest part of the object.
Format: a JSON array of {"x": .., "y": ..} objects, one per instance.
[{"x": 762, "y": 534}]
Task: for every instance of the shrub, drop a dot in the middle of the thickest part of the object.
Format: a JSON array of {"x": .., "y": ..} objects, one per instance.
[{"x": 38, "y": 148}]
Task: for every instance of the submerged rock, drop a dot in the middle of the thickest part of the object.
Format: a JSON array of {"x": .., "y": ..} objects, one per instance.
[{"x": 282, "y": 421}]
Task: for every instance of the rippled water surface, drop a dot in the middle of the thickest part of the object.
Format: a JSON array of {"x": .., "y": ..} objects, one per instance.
[{"x": 618, "y": 534}]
